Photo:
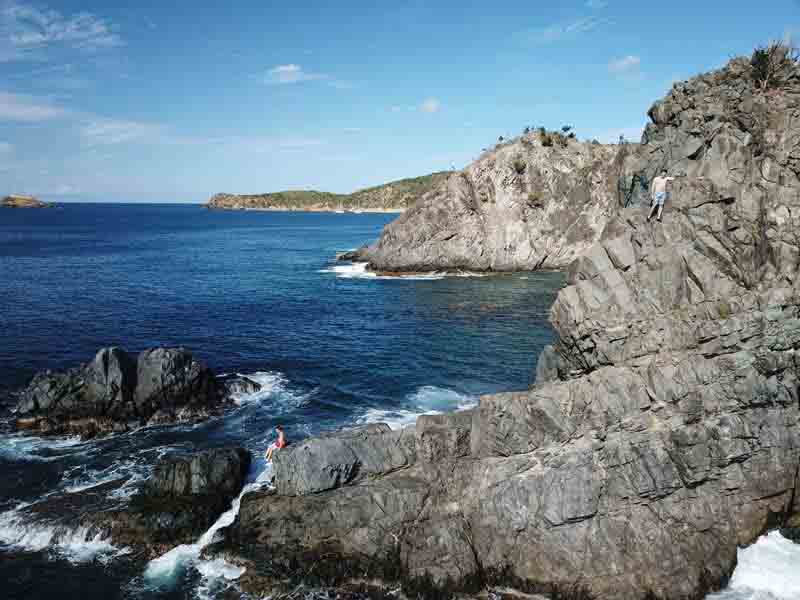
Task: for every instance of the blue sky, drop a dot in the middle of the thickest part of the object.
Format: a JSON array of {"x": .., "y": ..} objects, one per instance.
[{"x": 174, "y": 101}]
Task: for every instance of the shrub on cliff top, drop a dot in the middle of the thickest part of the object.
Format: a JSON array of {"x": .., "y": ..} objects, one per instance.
[
  {"x": 519, "y": 166},
  {"x": 772, "y": 64}
]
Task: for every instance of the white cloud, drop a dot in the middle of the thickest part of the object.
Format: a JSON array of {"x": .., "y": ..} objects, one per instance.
[
  {"x": 291, "y": 73},
  {"x": 626, "y": 64},
  {"x": 26, "y": 29},
  {"x": 108, "y": 132},
  {"x": 564, "y": 31},
  {"x": 596, "y": 4},
  {"x": 430, "y": 105},
  {"x": 21, "y": 108}
]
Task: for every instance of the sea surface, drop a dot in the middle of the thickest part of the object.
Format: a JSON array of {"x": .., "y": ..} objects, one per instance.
[{"x": 256, "y": 293}]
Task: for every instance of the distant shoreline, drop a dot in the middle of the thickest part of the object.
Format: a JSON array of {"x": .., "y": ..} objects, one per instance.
[{"x": 318, "y": 210}]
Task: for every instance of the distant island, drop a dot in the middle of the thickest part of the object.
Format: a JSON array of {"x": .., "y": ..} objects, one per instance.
[
  {"x": 19, "y": 201},
  {"x": 396, "y": 196}
]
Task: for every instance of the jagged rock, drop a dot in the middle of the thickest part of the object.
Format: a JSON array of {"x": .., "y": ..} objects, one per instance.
[
  {"x": 182, "y": 499},
  {"x": 664, "y": 429},
  {"x": 522, "y": 206},
  {"x": 115, "y": 392},
  {"x": 217, "y": 472},
  {"x": 235, "y": 386},
  {"x": 334, "y": 460}
]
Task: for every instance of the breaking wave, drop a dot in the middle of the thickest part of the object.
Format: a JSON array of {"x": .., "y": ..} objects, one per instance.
[{"x": 426, "y": 400}]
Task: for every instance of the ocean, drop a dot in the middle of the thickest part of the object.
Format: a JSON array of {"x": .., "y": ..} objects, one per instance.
[{"x": 256, "y": 293}]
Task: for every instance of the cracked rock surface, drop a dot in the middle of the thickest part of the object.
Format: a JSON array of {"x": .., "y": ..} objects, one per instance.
[{"x": 663, "y": 430}]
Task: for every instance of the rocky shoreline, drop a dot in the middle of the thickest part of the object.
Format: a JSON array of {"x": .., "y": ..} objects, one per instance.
[{"x": 663, "y": 431}]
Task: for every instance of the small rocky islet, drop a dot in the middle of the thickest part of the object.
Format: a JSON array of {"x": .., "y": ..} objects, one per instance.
[
  {"x": 663, "y": 428},
  {"x": 20, "y": 201}
]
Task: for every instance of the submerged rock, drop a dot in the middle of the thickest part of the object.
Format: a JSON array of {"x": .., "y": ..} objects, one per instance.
[
  {"x": 663, "y": 431},
  {"x": 116, "y": 392}
]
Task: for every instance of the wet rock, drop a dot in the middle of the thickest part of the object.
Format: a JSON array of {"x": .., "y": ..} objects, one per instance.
[
  {"x": 116, "y": 392},
  {"x": 237, "y": 386}
]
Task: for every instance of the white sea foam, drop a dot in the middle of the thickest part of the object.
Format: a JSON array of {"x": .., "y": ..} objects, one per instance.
[
  {"x": 20, "y": 447},
  {"x": 271, "y": 383},
  {"x": 359, "y": 271},
  {"x": 427, "y": 400},
  {"x": 75, "y": 544},
  {"x": 165, "y": 570},
  {"x": 767, "y": 570}
]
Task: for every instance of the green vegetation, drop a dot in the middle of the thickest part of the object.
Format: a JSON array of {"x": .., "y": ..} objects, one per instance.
[
  {"x": 772, "y": 65},
  {"x": 397, "y": 195},
  {"x": 519, "y": 165}
]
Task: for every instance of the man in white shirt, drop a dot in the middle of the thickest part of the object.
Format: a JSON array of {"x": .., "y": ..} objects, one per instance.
[{"x": 658, "y": 191}]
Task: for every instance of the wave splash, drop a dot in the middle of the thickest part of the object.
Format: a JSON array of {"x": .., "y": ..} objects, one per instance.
[
  {"x": 767, "y": 570},
  {"x": 77, "y": 545},
  {"x": 426, "y": 400}
]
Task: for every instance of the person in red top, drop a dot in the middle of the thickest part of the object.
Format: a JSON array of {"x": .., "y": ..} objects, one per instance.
[{"x": 278, "y": 444}]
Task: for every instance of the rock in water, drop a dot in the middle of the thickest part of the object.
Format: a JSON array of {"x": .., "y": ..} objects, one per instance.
[
  {"x": 535, "y": 203},
  {"x": 115, "y": 392},
  {"x": 664, "y": 429},
  {"x": 176, "y": 505}
]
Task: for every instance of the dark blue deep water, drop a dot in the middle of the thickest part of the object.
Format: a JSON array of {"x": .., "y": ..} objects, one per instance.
[{"x": 256, "y": 293}]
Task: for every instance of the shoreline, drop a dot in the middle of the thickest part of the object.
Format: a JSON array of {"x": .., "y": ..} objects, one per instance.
[{"x": 319, "y": 210}]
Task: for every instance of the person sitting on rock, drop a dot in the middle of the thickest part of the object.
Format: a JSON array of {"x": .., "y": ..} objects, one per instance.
[
  {"x": 278, "y": 444},
  {"x": 658, "y": 190}
]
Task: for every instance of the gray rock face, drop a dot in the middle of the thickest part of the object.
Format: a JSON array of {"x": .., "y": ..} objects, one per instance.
[
  {"x": 331, "y": 461},
  {"x": 115, "y": 392},
  {"x": 522, "y": 206},
  {"x": 664, "y": 428},
  {"x": 215, "y": 472}
]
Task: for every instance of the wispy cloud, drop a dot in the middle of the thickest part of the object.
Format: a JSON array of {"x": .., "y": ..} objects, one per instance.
[
  {"x": 564, "y": 31},
  {"x": 292, "y": 73},
  {"x": 26, "y": 30},
  {"x": 109, "y": 132},
  {"x": 626, "y": 64},
  {"x": 596, "y": 4},
  {"x": 27, "y": 109},
  {"x": 430, "y": 105}
]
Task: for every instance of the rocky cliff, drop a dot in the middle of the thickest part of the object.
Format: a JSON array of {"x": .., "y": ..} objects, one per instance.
[
  {"x": 22, "y": 202},
  {"x": 663, "y": 430},
  {"x": 396, "y": 196},
  {"x": 536, "y": 202}
]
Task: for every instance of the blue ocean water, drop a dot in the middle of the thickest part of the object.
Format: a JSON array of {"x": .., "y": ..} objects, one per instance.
[{"x": 257, "y": 293}]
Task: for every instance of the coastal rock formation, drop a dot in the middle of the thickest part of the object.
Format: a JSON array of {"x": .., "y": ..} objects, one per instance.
[
  {"x": 664, "y": 427},
  {"x": 184, "y": 496},
  {"x": 396, "y": 196},
  {"x": 116, "y": 391},
  {"x": 537, "y": 202},
  {"x": 17, "y": 201}
]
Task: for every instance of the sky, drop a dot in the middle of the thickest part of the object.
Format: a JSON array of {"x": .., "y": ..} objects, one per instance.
[{"x": 102, "y": 101}]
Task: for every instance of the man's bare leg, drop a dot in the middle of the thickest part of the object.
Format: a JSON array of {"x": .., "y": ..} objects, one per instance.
[
  {"x": 660, "y": 210},
  {"x": 652, "y": 211}
]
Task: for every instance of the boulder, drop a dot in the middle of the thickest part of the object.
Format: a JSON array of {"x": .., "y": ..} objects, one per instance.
[
  {"x": 331, "y": 461},
  {"x": 216, "y": 472},
  {"x": 115, "y": 392}
]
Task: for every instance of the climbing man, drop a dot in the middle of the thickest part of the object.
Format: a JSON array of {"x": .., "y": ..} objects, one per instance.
[{"x": 658, "y": 192}]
